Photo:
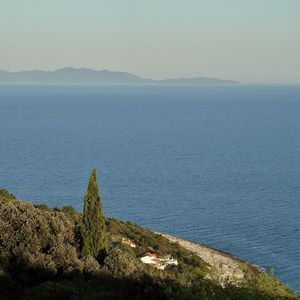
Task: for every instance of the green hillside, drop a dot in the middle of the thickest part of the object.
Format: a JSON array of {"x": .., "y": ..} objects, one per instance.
[{"x": 41, "y": 258}]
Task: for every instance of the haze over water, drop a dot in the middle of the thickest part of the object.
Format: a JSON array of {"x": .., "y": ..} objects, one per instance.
[{"x": 216, "y": 165}]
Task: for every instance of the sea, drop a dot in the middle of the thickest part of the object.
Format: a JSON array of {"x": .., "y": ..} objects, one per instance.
[{"x": 218, "y": 165}]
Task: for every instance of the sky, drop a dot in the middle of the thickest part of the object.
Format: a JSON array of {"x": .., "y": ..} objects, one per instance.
[{"x": 253, "y": 41}]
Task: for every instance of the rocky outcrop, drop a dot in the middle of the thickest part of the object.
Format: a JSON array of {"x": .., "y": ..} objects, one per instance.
[{"x": 224, "y": 268}]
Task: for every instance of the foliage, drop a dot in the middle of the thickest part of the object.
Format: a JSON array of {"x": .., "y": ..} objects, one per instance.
[
  {"x": 39, "y": 237},
  {"x": 43, "y": 207},
  {"x": 93, "y": 222},
  {"x": 190, "y": 267},
  {"x": 121, "y": 262},
  {"x": 265, "y": 283},
  {"x": 40, "y": 259},
  {"x": 6, "y": 195},
  {"x": 70, "y": 210}
]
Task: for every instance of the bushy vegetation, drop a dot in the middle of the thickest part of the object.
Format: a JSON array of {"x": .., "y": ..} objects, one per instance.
[
  {"x": 40, "y": 258},
  {"x": 191, "y": 266},
  {"x": 261, "y": 282},
  {"x": 40, "y": 237},
  {"x": 5, "y": 195}
]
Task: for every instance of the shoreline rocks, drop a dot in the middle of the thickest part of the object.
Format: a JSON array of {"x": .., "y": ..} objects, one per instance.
[{"x": 224, "y": 267}]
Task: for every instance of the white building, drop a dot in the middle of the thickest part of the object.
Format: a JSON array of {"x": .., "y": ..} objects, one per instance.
[{"x": 159, "y": 263}]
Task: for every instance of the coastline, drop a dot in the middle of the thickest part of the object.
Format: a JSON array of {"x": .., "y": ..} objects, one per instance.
[{"x": 224, "y": 267}]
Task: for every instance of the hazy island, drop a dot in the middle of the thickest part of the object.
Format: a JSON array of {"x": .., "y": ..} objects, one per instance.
[
  {"x": 61, "y": 254},
  {"x": 86, "y": 76}
]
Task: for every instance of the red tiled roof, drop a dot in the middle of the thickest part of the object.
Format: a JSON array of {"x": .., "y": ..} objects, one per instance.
[{"x": 151, "y": 254}]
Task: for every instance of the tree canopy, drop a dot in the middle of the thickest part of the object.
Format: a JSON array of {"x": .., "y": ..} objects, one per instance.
[{"x": 93, "y": 222}]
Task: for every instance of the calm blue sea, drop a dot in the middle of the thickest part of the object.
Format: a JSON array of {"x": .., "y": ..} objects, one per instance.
[{"x": 216, "y": 165}]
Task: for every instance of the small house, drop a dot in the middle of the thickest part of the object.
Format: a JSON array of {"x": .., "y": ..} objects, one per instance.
[{"x": 159, "y": 263}]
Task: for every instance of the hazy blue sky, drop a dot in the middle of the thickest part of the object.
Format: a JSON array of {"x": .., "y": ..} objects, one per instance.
[{"x": 247, "y": 40}]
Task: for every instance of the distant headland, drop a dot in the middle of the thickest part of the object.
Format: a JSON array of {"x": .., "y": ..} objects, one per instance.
[{"x": 86, "y": 76}]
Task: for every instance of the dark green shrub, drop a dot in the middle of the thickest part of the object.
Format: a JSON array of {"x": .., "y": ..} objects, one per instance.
[
  {"x": 5, "y": 195},
  {"x": 93, "y": 222}
]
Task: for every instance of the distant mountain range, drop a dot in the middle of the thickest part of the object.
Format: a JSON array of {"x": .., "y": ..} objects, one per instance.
[{"x": 89, "y": 76}]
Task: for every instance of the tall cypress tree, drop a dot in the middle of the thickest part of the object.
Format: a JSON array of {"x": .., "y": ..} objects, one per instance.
[{"x": 93, "y": 222}]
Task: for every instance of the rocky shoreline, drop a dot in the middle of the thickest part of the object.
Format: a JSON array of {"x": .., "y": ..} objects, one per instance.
[{"x": 224, "y": 267}]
